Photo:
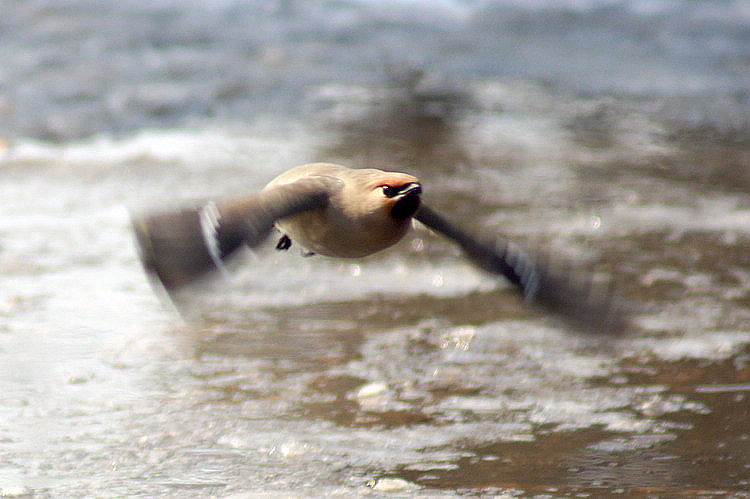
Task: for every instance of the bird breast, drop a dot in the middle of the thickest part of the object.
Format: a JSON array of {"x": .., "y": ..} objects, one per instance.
[
  {"x": 357, "y": 219},
  {"x": 344, "y": 229}
]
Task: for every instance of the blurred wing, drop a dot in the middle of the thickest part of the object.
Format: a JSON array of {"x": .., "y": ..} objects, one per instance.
[
  {"x": 184, "y": 245},
  {"x": 573, "y": 298}
]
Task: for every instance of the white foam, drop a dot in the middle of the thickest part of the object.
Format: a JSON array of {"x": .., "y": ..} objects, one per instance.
[
  {"x": 205, "y": 147},
  {"x": 699, "y": 345}
]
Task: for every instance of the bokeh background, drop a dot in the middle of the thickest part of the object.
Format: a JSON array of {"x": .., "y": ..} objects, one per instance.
[{"x": 612, "y": 133}]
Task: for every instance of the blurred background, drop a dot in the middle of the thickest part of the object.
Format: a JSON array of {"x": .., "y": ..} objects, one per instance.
[{"x": 613, "y": 133}]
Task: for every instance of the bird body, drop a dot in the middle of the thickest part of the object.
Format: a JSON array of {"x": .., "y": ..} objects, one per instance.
[
  {"x": 341, "y": 212},
  {"x": 358, "y": 219}
]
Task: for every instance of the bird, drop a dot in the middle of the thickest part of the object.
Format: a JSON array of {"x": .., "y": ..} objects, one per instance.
[{"x": 341, "y": 212}]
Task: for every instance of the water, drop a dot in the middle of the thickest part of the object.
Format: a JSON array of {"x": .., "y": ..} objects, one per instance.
[
  {"x": 612, "y": 133},
  {"x": 81, "y": 67}
]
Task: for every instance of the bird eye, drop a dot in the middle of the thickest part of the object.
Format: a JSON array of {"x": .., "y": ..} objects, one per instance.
[{"x": 390, "y": 191}]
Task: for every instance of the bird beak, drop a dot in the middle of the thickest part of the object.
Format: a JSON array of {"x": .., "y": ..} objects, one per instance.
[
  {"x": 410, "y": 189},
  {"x": 407, "y": 201}
]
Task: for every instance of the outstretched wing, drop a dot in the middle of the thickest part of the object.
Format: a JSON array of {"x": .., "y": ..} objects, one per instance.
[
  {"x": 571, "y": 297},
  {"x": 184, "y": 245}
]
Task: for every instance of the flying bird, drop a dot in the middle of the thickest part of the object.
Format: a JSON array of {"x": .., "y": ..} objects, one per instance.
[{"x": 340, "y": 212}]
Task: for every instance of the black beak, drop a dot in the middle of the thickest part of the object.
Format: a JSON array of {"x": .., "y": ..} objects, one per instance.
[
  {"x": 410, "y": 189},
  {"x": 408, "y": 201}
]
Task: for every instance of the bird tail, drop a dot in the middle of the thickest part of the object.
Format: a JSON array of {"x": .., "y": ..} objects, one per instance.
[{"x": 185, "y": 245}]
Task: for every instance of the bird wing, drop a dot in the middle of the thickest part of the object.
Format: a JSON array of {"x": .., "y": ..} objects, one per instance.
[
  {"x": 186, "y": 244},
  {"x": 573, "y": 298}
]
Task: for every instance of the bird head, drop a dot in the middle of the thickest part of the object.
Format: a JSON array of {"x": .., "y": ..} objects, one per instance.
[
  {"x": 402, "y": 197},
  {"x": 378, "y": 193},
  {"x": 396, "y": 194}
]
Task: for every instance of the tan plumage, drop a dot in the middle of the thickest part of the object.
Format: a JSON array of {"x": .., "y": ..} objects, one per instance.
[
  {"x": 357, "y": 220},
  {"x": 341, "y": 212}
]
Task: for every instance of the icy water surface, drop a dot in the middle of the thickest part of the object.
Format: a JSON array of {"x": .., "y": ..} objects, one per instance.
[{"x": 410, "y": 372}]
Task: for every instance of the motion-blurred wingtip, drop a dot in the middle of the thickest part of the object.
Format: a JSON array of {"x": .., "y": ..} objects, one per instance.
[{"x": 172, "y": 248}]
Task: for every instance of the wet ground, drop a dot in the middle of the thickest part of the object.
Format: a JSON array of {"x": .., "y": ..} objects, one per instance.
[
  {"x": 407, "y": 373},
  {"x": 315, "y": 376}
]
